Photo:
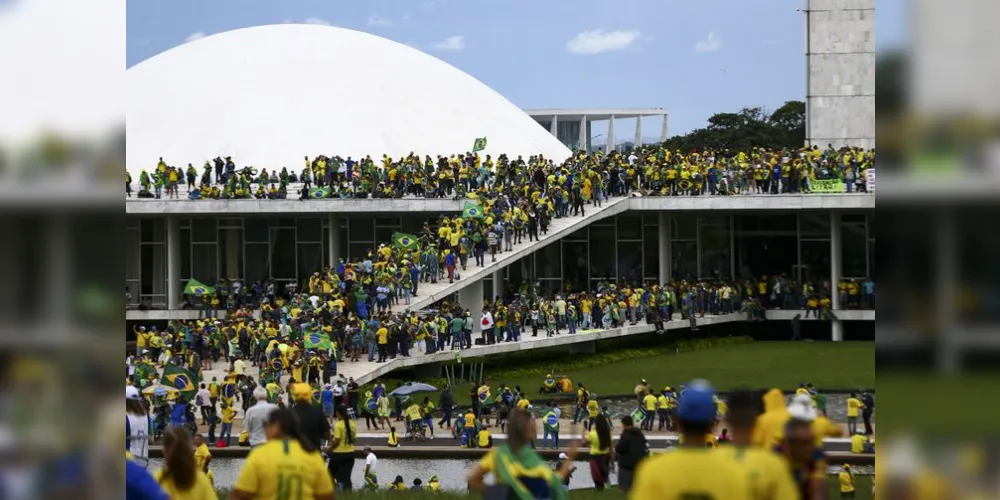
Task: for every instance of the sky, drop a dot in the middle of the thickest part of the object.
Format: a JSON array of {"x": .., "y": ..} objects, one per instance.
[{"x": 695, "y": 58}]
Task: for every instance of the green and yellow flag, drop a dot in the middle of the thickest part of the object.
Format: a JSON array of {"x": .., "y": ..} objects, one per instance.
[
  {"x": 319, "y": 193},
  {"x": 197, "y": 288},
  {"x": 472, "y": 211},
  {"x": 405, "y": 241},
  {"x": 479, "y": 144},
  {"x": 317, "y": 340},
  {"x": 180, "y": 379}
]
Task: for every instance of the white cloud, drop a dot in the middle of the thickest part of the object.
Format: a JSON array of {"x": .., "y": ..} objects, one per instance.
[
  {"x": 317, "y": 21},
  {"x": 598, "y": 41},
  {"x": 197, "y": 35},
  {"x": 377, "y": 20},
  {"x": 455, "y": 42},
  {"x": 710, "y": 44}
]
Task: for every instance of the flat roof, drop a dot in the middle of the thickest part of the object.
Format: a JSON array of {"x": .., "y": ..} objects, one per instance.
[
  {"x": 761, "y": 202},
  {"x": 597, "y": 113}
]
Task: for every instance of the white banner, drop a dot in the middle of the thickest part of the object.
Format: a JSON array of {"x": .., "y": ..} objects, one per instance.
[{"x": 870, "y": 179}]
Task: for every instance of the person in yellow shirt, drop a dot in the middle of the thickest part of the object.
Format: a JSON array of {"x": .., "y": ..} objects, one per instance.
[
  {"x": 341, "y": 452},
  {"x": 770, "y": 426},
  {"x": 180, "y": 477},
  {"x": 202, "y": 457},
  {"x": 286, "y": 466},
  {"x": 859, "y": 442},
  {"x": 846, "y": 480},
  {"x": 649, "y": 403},
  {"x": 484, "y": 439},
  {"x": 692, "y": 470},
  {"x": 767, "y": 472},
  {"x": 383, "y": 343},
  {"x": 853, "y": 406},
  {"x": 823, "y": 428}
]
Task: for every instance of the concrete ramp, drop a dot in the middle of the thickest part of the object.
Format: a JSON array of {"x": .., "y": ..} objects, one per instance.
[{"x": 431, "y": 293}]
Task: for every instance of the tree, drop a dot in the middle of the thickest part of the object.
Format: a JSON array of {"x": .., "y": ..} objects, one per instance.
[{"x": 746, "y": 129}]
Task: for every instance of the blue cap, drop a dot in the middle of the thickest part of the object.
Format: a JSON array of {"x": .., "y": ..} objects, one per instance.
[{"x": 697, "y": 404}]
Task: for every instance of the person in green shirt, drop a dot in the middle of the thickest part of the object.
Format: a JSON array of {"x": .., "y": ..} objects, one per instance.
[{"x": 457, "y": 324}]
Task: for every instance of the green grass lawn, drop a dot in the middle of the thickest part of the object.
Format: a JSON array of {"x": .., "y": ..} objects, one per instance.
[
  {"x": 827, "y": 365},
  {"x": 863, "y": 485}
]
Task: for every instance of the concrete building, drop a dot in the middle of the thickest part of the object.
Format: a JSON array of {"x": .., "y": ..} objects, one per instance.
[
  {"x": 269, "y": 95},
  {"x": 840, "y": 72},
  {"x": 821, "y": 237},
  {"x": 573, "y": 126}
]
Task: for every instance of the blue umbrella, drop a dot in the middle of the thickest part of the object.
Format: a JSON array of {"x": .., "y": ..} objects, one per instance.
[{"x": 412, "y": 387}]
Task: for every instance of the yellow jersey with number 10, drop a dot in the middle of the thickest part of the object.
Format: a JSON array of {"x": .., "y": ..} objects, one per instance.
[
  {"x": 767, "y": 472},
  {"x": 281, "y": 469}
]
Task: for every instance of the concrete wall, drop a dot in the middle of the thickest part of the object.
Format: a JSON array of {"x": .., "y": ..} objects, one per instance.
[{"x": 840, "y": 61}]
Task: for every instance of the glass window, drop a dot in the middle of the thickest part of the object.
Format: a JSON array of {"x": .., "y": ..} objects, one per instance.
[
  {"x": 685, "y": 227},
  {"x": 309, "y": 229},
  {"x": 286, "y": 222},
  {"x": 258, "y": 229},
  {"x": 575, "y": 266},
  {"x": 630, "y": 261},
  {"x": 715, "y": 252},
  {"x": 387, "y": 221},
  {"x": 685, "y": 259},
  {"x": 153, "y": 269},
  {"x": 152, "y": 230},
  {"x": 204, "y": 230},
  {"x": 131, "y": 254},
  {"x": 548, "y": 261},
  {"x": 310, "y": 259},
  {"x": 651, "y": 220},
  {"x": 551, "y": 285},
  {"x": 871, "y": 226},
  {"x": 257, "y": 262},
  {"x": 413, "y": 224},
  {"x": 185, "y": 254},
  {"x": 580, "y": 235},
  {"x": 871, "y": 259},
  {"x": 603, "y": 263},
  {"x": 283, "y": 253},
  {"x": 767, "y": 255},
  {"x": 384, "y": 235},
  {"x": 357, "y": 251},
  {"x": 816, "y": 261},
  {"x": 231, "y": 222},
  {"x": 205, "y": 266},
  {"x": 651, "y": 254},
  {"x": 231, "y": 254},
  {"x": 853, "y": 250},
  {"x": 361, "y": 229},
  {"x": 629, "y": 227},
  {"x": 815, "y": 224},
  {"x": 852, "y": 218}
]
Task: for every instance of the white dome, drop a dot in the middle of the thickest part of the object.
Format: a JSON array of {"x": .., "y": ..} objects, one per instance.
[{"x": 269, "y": 95}]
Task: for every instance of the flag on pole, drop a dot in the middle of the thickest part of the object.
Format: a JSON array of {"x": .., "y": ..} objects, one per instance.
[
  {"x": 405, "y": 241},
  {"x": 316, "y": 340},
  {"x": 195, "y": 287},
  {"x": 479, "y": 144},
  {"x": 181, "y": 379},
  {"x": 472, "y": 211}
]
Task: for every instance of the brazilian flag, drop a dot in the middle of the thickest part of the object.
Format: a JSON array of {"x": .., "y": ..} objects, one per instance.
[
  {"x": 472, "y": 211},
  {"x": 317, "y": 394},
  {"x": 181, "y": 379},
  {"x": 316, "y": 340},
  {"x": 228, "y": 392},
  {"x": 197, "y": 288},
  {"x": 405, "y": 241},
  {"x": 319, "y": 193},
  {"x": 479, "y": 144}
]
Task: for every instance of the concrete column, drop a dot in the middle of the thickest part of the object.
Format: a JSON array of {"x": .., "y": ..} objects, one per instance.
[
  {"x": 58, "y": 302},
  {"x": 498, "y": 287},
  {"x": 471, "y": 298},
  {"x": 554, "y": 126},
  {"x": 174, "y": 288},
  {"x": 333, "y": 241},
  {"x": 835, "y": 273},
  {"x": 638, "y": 131},
  {"x": 610, "y": 144},
  {"x": 584, "y": 138},
  {"x": 664, "y": 244},
  {"x": 665, "y": 132}
]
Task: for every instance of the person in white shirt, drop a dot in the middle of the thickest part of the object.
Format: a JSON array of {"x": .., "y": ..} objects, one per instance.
[
  {"x": 371, "y": 463},
  {"x": 136, "y": 425},
  {"x": 204, "y": 400},
  {"x": 256, "y": 416},
  {"x": 487, "y": 328}
]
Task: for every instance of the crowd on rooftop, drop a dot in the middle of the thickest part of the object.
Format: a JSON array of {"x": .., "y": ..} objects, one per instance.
[{"x": 650, "y": 170}]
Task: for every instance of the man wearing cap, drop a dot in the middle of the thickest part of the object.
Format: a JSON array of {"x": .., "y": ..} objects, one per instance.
[
  {"x": 691, "y": 470},
  {"x": 563, "y": 458}
]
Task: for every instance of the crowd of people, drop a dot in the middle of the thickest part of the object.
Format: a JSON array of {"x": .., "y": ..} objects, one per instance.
[
  {"x": 652, "y": 170},
  {"x": 778, "y": 445}
]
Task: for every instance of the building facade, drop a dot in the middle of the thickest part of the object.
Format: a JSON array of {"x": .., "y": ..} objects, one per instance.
[
  {"x": 644, "y": 244},
  {"x": 574, "y": 127}
]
